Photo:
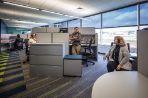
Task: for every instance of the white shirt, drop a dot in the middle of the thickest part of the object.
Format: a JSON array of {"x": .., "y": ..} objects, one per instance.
[{"x": 32, "y": 41}]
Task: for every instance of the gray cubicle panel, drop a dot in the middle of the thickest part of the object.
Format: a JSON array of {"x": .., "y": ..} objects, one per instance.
[
  {"x": 39, "y": 29},
  {"x": 142, "y": 39},
  {"x": 83, "y": 30},
  {"x": 44, "y": 37},
  {"x": 52, "y": 30},
  {"x": 46, "y": 49},
  {"x": 47, "y": 58}
]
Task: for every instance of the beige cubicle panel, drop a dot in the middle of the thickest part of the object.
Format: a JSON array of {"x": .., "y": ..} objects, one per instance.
[
  {"x": 60, "y": 37},
  {"x": 83, "y": 30},
  {"x": 142, "y": 46},
  {"x": 44, "y": 37},
  {"x": 39, "y": 29},
  {"x": 53, "y": 30}
]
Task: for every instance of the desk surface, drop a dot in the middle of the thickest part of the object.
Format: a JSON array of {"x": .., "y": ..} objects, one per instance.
[
  {"x": 123, "y": 84},
  {"x": 86, "y": 45}
]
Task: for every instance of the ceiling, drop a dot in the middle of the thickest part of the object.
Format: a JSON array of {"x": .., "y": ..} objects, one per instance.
[{"x": 60, "y": 10}]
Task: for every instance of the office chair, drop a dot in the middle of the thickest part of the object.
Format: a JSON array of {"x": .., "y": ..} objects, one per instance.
[
  {"x": 88, "y": 54},
  {"x": 128, "y": 46}
]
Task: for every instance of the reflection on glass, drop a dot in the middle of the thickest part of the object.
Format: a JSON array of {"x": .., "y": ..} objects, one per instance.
[
  {"x": 92, "y": 21},
  {"x": 122, "y": 17},
  {"x": 74, "y": 23},
  {"x": 143, "y": 15},
  {"x": 128, "y": 33}
]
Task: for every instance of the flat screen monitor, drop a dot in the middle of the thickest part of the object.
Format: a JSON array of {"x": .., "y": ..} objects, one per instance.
[{"x": 63, "y": 30}]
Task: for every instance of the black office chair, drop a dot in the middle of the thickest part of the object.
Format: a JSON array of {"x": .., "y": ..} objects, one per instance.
[
  {"x": 128, "y": 46},
  {"x": 88, "y": 55}
]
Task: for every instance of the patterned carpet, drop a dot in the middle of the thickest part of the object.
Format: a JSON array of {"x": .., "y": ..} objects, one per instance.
[
  {"x": 11, "y": 75},
  {"x": 64, "y": 87}
]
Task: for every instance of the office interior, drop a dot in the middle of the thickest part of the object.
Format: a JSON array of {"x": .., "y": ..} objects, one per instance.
[{"x": 50, "y": 70}]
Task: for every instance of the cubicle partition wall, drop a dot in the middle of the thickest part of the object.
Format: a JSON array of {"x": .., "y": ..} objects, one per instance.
[
  {"x": 53, "y": 35},
  {"x": 43, "y": 37},
  {"x": 50, "y": 35},
  {"x": 142, "y": 38},
  {"x": 47, "y": 59},
  {"x": 39, "y": 29}
]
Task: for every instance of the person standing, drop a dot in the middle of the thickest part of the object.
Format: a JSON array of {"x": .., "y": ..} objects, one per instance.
[{"x": 75, "y": 38}]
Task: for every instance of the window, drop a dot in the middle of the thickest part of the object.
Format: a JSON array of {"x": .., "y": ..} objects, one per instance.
[
  {"x": 128, "y": 33},
  {"x": 74, "y": 23},
  {"x": 143, "y": 27},
  {"x": 143, "y": 13},
  {"x": 92, "y": 21},
  {"x": 63, "y": 25},
  {"x": 122, "y": 17},
  {"x": 56, "y": 24}
]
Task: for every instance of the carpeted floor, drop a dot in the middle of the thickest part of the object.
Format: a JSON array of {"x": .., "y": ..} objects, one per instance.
[
  {"x": 64, "y": 87},
  {"x": 11, "y": 74}
]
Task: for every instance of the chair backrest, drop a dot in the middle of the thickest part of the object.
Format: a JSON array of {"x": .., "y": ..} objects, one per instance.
[
  {"x": 128, "y": 46},
  {"x": 90, "y": 43}
]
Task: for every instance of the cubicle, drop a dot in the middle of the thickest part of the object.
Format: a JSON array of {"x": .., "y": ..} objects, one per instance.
[
  {"x": 87, "y": 33},
  {"x": 46, "y": 57}
]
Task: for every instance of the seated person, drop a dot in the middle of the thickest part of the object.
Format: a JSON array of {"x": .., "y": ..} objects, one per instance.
[
  {"x": 118, "y": 56},
  {"x": 18, "y": 44},
  {"x": 32, "y": 39},
  {"x": 75, "y": 38}
]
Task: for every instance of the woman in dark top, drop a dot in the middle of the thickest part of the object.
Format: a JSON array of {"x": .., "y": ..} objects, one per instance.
[
  {"x": 118, "y": 56},
  {"x": 18, "y": 44}
]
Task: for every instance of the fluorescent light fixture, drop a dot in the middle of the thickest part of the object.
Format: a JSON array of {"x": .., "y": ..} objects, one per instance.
[
  {"x": 59, "y": 14},
  {"x": 52, "y": 12},
  {"x": 24, "y": 6},
  {"x": 24, "y": 22}
]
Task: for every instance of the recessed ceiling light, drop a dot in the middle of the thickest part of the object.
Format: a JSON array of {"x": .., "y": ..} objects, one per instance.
[{"x": 79, "y": 8}]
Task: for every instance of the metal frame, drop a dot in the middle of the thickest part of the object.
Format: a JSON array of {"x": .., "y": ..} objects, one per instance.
[
  {"x": 73, "y": 20},
  {"x": 101, "y": 13}
]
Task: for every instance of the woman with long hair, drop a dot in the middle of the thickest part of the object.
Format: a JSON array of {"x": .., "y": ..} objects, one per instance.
[
  {"x": 32, "y": 39},
  {"x": 118, "y": 56}
]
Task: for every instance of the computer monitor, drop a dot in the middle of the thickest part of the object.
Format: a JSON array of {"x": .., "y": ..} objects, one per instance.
[{"x": 63, "y": 30}]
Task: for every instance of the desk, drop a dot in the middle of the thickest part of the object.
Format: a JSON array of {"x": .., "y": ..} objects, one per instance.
[
  {"x": 94, "y": 48},
  {"x": 122, "y": 84}
]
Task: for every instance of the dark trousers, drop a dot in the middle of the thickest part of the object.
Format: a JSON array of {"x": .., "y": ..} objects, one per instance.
[{"x": 111, "y": 66}]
